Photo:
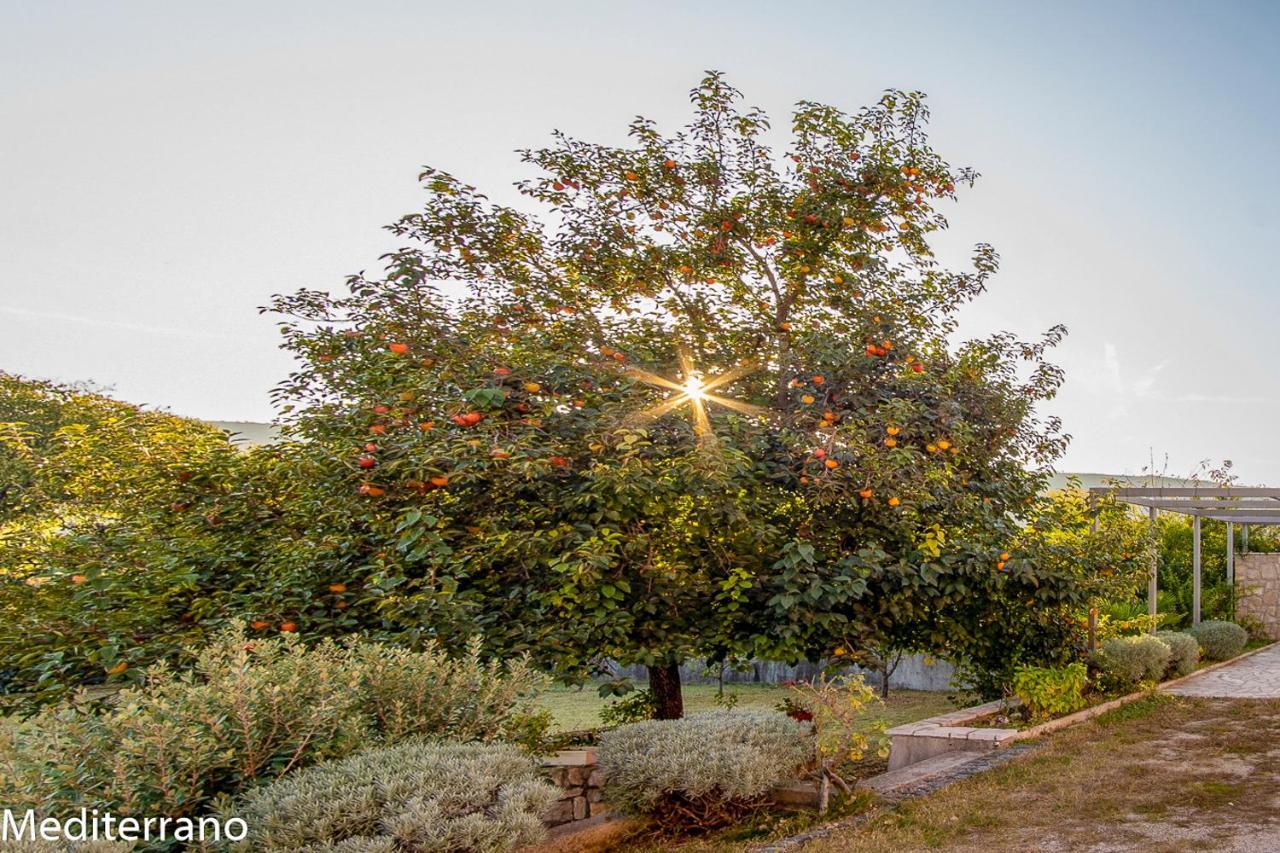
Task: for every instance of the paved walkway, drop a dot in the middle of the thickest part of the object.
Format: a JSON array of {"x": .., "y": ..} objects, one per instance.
[{"x": 1254, "y": 677}]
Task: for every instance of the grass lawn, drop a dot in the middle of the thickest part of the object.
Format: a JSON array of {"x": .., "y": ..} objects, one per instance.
[
  {"x": 574, "y": 709},
  {"x": 1166, "y": 773}
]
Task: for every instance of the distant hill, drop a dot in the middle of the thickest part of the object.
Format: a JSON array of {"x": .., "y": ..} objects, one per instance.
[{"x": 248, "y": 433}]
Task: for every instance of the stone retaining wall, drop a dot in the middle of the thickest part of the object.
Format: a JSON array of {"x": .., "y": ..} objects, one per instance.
[
  {"x": 1258, "y": 583},
  {"x": 577, "y": 773}
]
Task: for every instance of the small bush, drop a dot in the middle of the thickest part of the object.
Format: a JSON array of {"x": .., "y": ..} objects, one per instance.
[
  {"x": 640, "y": 705},
  {"x": 705, "y": 770},
  {"x": 1051, "y": 691},
  {"x": 1126, "y": 661},
  {"x": 1219, "y": 640},
  {"x": 411, "y": 798},
  {"x": 1184, "y": 652},
  {"x": 1254, "y": 628},
  {"x": 837, "y": 706},
  {"x": 250, "y": 712}
]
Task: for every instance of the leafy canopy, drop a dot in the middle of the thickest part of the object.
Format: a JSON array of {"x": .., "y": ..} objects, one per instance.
[{"x": 498, "y": 393}]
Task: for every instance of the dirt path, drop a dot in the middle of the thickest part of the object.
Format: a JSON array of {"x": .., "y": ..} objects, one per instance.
[{"x": 1165, "y": 774}]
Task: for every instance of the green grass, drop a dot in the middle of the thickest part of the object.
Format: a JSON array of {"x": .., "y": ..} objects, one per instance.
[{"x": 573, "y": 709}]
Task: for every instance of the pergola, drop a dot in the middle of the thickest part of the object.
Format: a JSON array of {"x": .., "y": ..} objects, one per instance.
[{"x": 1234, "y": 505}]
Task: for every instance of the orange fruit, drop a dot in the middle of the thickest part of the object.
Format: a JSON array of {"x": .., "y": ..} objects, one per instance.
[
  {"x": 78, "y": 578},
  {"x": 532, "y": 387},
  {"x": 943, "y": 444},
  {"x": 865, "y": 494},
  {"x": 807, "y": 399},
  {"x": 337, "y": 587},
  {"x": 118, "y": 668},
  {"x": 820, "y": 453},
  {"x": 399, "y": 349},
  {"x": 440, "y": 481},
  {"x": 894, "y": 502},
  {"x": 831, "y": 463},
  {"x": 818, "y": 380},
  {"x": 426, "y": 425},
  {"x": 893, "y": 430},
  {"x": 1004, "y": 558},
  {"x": 289, "y": 627},
  {"x": 891, "y": 442},
  {"x": 259, "y": 624}
]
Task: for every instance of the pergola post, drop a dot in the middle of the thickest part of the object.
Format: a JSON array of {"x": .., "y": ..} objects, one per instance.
[
  {"x": 1231, "y": 554},
  {"x": 1244, "y": 536},
  {"x": 1093, "y": 607},
  {"x": 1153, "y": 587},
  {"x": 1231, "y": 566},
  {"x": 1195, "y": 570}
]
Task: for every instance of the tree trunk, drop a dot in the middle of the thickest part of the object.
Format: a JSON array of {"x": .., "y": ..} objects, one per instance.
[{"x": 664, "y": 683}]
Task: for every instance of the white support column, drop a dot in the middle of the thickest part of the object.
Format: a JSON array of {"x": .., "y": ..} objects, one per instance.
[
  {"x": 1244, "y": 536},
  {"x": 1231, "y": 554},
  {"x": 1153, "y": 586},
  {"x": 1195, "y": 570},
  {"x": 1231, "y": 566}
]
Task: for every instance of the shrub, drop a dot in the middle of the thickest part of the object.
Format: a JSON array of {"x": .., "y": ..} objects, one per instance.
[
  {"x": 1051, "y": 691},
  {"x": 1219, "y": 640},
  {"x": 1253, "y": 628},
  {"x": 837, "y": 707},
  {"x": 431, "y": 694},
  {"x": 1184, "y": 652},
  {"x": 705, "y": 770},
  {"x": 410, "y": 798},
  {"x": 249, "y": 712},
  {"x": 640, "y": 705},
  {"x": 1125, "y": 661}
]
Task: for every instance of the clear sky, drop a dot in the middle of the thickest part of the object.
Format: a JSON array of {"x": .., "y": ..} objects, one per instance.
[{"x": 165, "y": 167}]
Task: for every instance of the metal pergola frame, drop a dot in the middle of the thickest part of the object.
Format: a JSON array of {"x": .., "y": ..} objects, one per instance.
[{"x": 1232, "y": 504}]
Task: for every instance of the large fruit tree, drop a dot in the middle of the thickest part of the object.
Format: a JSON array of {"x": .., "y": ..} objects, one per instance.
[{"x": 696, "y": 398}]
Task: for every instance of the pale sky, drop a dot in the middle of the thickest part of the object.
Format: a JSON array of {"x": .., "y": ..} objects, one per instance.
[{"x": 165, "y": 167}]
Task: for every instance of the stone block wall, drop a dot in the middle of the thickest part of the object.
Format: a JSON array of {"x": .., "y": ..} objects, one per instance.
[
  {"x": 576, "y": 772},
  {"x": 1258, "y": 584}
]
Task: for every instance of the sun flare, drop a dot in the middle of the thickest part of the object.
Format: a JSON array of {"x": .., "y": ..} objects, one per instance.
[{"x": 696, "y": 390}]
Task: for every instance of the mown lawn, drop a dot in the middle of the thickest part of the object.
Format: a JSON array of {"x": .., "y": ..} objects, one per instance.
[{"x": 574, "y": 709}]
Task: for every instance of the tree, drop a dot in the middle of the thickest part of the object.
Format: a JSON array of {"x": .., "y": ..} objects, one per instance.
[
  {"x": 101, "y": 564},
  {"x": 706, "y": 407}
]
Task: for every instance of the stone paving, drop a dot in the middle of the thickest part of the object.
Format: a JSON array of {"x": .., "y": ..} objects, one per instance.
[{"x": 1254, "y": 677}]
